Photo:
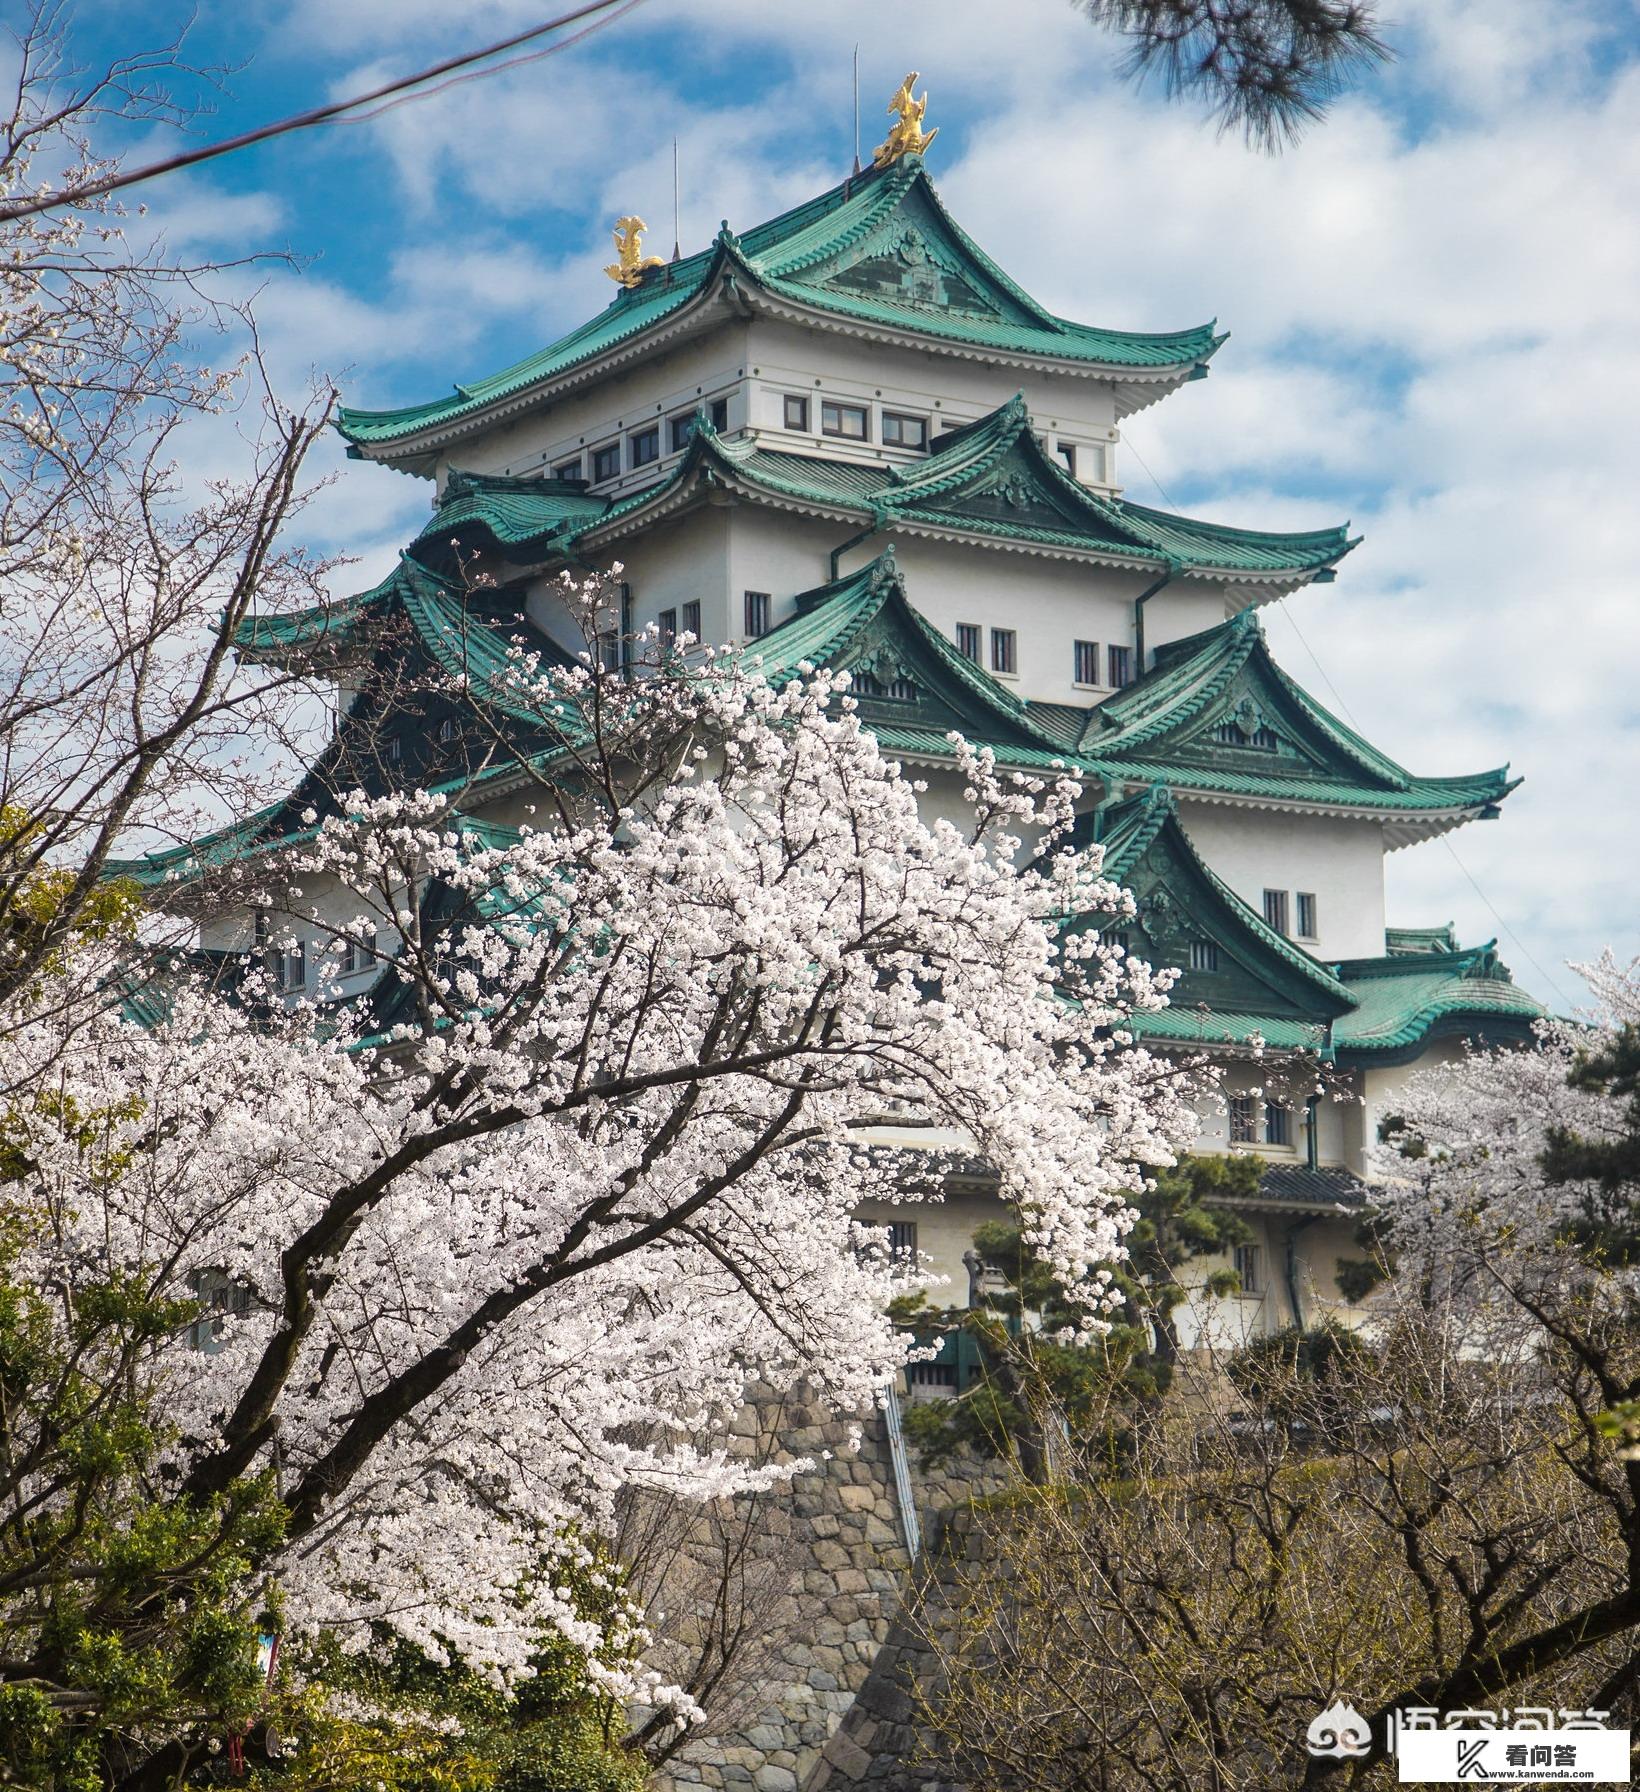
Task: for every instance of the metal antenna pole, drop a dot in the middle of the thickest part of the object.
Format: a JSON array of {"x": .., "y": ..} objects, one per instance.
[
  {"x": 677, "y": 234},
  {"x": 856, "y": 108}
]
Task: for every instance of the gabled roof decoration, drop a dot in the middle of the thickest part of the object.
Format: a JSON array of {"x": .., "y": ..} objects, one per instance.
[
  {"x": 877, "y": 256},
  {"x": 1262, "y": 985},
  {"x": 990, "y": 481},
  {"x": 1217, "y": 718}
]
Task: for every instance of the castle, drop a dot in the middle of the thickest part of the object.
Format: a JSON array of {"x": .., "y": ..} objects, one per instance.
[{"x": 846, "y": 436}]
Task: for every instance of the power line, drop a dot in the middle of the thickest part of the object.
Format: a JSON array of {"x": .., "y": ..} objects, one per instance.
[{"x": 333, "y": 113}]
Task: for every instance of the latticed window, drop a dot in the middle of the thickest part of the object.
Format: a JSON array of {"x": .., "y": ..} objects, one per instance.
[
  {"x": 1004, "y": 650},
  {"x": 757, "y": 613},
  {"x": 691, "y": 620},
  {"x": 968, "y": 641},
  {"x": 1085, "y": 667},
  {"x": 1243, "y": 1120},
  {"x": 902, "y": 1240},
  {"x": 1266, "y": 740},
  {"x": 1306, "y": 915},
  {"x": 1278, "y": 1123},
  {"x": 1249, "y": 1261},
  {"x": 1120, "y": 661},
  {"x": 667, "y": 622},
  {"x": 1275, "y": 910},
  {"x": 1204, "y": 955}
]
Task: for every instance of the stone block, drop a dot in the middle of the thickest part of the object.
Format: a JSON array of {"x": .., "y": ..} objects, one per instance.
[
  {"x": 847, "y": 1756},
  {"x": 770, "y": 1778}
]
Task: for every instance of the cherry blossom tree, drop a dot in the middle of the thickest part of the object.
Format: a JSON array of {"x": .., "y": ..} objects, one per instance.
[{"x": 512, "y": 1235}]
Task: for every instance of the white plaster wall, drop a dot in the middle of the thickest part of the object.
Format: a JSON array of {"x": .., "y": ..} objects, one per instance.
[
  {"x": 698, "y": 370},
  {"x": 1340, "y": 861},
  {"x": 945, "y": 1229},
  {"x": 1383, "y": 1089},
  {"x": 949, "y": 392}
]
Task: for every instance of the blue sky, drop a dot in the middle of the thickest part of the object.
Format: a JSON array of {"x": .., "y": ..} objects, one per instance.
[{"x": 1432, "y": 303}]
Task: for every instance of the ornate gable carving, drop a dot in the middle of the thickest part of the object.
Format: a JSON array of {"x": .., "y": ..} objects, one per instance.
[{"x": 909, "y": 265}]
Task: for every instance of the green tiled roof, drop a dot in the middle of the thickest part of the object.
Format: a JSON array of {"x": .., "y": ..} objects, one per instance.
[
  {"x": 1130, "y": 830},
  {"x": 1401, "y": 999},
  {"x": 820, "y": 255},
  {"x": 1165, "y": 728},
  {"x": 991, "y": 478}
]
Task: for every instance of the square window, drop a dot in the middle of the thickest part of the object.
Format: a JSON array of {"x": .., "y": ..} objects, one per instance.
[
  {"x": 901, "y": 430},
  {"x": 846, "y": 420},
  {"x": 1242, "y": 1118},
  {"x": 1004, "y": 650},
  {"x": 1249, "y": 1268},
  {"x": 1119, "y": 662},
  {"x": 691, "y": 620},
  {"x": 757, "y": 613},
  {"x": 646, "y": 445},
  {"x": 1275, "y": 910},
  {"x": 606, "y": 462},
  {"x": 1086, "y": 668},
  {"x": 720, "y": 414},
  {"x": 902, "y": 1241},
  {"x": 1278, "y": 1123},
  {"x": 1067, "y": 453},
  {"x": 682, "y": 427},
  {"x": 668, "y": 621},
  {"x": 568, "y": 469},
  {"x": 1306, "y": 915},
  {"x": 360, "y": 954},
  {"x": 968, "y": 640},
  {"x": 797, "y": 411},
  {"x": 1204, "y": 955}
]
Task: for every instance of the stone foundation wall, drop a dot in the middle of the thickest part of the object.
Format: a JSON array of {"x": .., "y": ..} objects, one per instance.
[{"x": 821, "y": 1600}]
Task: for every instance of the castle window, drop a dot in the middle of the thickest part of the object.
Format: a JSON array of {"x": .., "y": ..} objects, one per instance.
[
  {"x": 1119, "y": 661},
  {"x": 1278, "y": 1123},
  {"x": 1243, "y": 1117},
  {"x": 797, "y": 411},
  {"x": 1086, "y": 657},
  {"x": 606, "y": 462},
  {"x": 682, "y": 427},
  {"x": 968, "y": 641},
  {"x": 757, "y": 613},
  {"x": 221, "y": 1297},
  {"x": 1067, "y": 453},
  {"x": 847, "y": 420},
  {"x": 1306, "y": 915},
  {"x": 1204, "y": 955},
  {"x": 691, "y": 620},
  {"x": 393, "y": 749},
  {"x": 720, "y": 414},
  {"x": 360, "y": 954},
  {"x": 1275, "y": 910},
  {"x": 1004, "y": 650},
  {"x": 290, "y": 968},
  {"x": 902, "y": 1241},
  {"x": 447, "y": 730},
  {"x": 668, "y": 622},
  {"x": 646, "y": 445},
  {"x": 903, "y": 431},
  {"x": 568, "y": 469},
  {"x": 1115, "y": 939},
  {"x": 1249, "y": 1268}
]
